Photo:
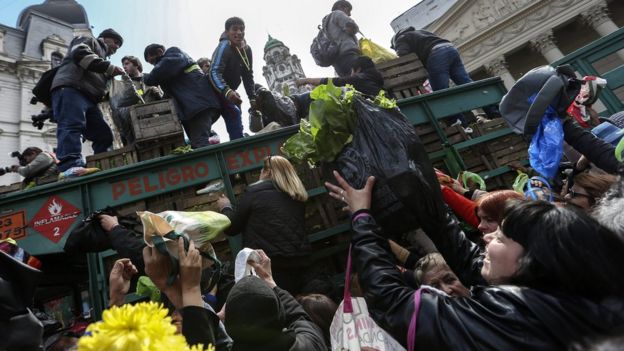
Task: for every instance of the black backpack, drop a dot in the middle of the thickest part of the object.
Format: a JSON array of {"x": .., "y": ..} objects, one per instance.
[
  {"x": 323, "y": 49},
  {"x": 42, "y": 89}
]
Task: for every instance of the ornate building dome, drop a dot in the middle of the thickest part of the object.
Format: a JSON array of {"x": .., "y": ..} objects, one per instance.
[
  {"x": 68, "y": 11},
  {"x": 282, "y": 68}
]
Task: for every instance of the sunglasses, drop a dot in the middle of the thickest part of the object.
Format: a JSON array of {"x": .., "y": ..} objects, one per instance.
[{"x": 574, "y": 194}]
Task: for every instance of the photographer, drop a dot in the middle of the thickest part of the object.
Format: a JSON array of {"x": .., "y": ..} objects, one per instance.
[{"x": 34, "y": 165}]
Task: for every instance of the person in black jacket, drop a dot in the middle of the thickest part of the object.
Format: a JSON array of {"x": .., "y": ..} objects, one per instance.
[
  {"x": 271, "y": 215},
  {"x": 597, "y": 151},
  {"x": 231, "y": 61},
  {"x": 182, "y": 79},
  {"x": 259, "y": 315},
  {"x": 563, "y": 266},
  {"x": 364, "y": 77},
  {"x": 440, "y": 58},
  {"x": 78, "y": 86}
]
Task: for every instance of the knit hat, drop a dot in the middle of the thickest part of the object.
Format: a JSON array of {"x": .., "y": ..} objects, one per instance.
[
  {"x": 253, "y": 313},
  {"x": 111, "y": 33}
]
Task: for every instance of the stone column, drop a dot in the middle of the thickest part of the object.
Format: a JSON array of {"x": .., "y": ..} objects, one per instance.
[
  {"x": 498, "y": 67},
  {"x": 2, "y": 33},
  {"x": 545, "y": 45},
  {"x": 597, "y": 17}
]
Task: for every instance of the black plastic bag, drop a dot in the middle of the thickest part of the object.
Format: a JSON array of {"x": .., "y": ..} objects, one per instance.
[{"x": 406, "y": 194}]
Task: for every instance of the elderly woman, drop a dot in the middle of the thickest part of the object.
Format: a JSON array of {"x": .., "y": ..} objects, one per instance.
[{"x": 561, "y": 268}]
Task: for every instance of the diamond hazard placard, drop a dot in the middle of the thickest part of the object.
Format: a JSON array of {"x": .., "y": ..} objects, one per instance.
[{"x": 54, "y": 218}]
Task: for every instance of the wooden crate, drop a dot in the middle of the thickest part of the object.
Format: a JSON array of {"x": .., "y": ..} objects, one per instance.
[
  {"x": 403, "y": 76},
  {"x": 155, "y": 120},
  {"x": 113, "y": 159},
  {"x": 489, "y": 127},
  {"x": 432, "y": 141},
  {"x": 155, "y": 148}
]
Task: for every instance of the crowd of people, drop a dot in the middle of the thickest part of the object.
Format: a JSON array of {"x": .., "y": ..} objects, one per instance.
[{"x": 503, "y": 269}]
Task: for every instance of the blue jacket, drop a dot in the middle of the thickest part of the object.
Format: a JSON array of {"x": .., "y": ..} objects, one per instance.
[
  {"x": 228, "y": 67},
  {"x": 189, "y": 87}
]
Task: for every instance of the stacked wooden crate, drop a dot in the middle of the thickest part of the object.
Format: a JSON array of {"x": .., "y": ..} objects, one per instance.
[
  {"x": 157, "y": 130},
  {"x": 404, "y": 76},
  {"x": 157, "y": 133}
]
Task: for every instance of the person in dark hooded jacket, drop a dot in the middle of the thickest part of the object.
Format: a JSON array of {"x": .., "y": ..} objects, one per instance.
[
  {"x": 261, "y": 316},
  {"x": 440, "y": 58},
  {"x": 231, "y": 62},
  {"x": 182, "y": 79},
  {"x": 563, "y": 266},
  {"x": 80, "y": 83},
  {"x": 271, "y": 216}
]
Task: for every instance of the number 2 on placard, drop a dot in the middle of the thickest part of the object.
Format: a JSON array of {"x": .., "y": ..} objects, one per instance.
[{"x": 57, "y": 231}]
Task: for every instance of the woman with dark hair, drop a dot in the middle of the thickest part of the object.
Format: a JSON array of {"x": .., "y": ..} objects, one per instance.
[
  {"x": 564, "y": 267},
  {"x": 321, "y": 310},
  {"x": 271, "y": 217}
]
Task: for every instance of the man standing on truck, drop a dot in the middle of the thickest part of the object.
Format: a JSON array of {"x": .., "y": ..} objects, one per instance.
[
  {"x": 231, "y": 61},
  {"x": 440, "y": 58},
  {"x": 79, "y": 84},
  {"x": 182, "y": 79},
  {"x": 129, "y": 92},
  {"x": 341, "y": 29}
]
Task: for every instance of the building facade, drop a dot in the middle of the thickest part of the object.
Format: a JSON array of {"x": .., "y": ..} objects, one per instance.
[
  {"x": 38, "y": 42},
  {"x": 507, "y": 38},
  {"x": 281, "y": 68}
]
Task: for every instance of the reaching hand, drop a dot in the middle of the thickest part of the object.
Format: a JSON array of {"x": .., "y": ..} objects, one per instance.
[
  {"x": 118, "y": 71},
  {"x": 108, "y": 222},
  {"x": 190, "y": 274},
  {"x": 301, "y": 81},
  {"x": 157, "y": 268},
  {"x": 234, "y": 98},
  {"x": 356, "y": 199},
  {"x": 119, "y": 280},
  {"x": 190, "y": 265},
  {"x": 263, "y": 268},
  {"x": 223, "y": 202}
]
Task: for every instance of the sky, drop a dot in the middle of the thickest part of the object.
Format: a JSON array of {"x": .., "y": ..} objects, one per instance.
[{"x": 195, "y": 26}]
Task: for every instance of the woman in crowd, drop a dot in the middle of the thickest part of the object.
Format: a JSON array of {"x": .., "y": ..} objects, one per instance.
[
  {"x": 271, "y": 215},
  {"x": 561, "y": 265},
  {"x": 321, "y": 310},
  {"x": 491, "y": 207},
  {"x": 586, "y": 188}
]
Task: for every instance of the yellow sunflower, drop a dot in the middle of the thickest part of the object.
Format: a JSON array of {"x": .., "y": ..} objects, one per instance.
[{"x": 141, "y": 327}]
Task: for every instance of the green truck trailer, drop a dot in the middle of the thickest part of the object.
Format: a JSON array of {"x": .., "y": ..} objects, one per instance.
[{"x": 40, "y": 219}]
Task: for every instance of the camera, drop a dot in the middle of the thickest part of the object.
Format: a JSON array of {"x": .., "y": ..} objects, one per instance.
[
  {"x": 5, "y": 170},
  {"x": 39, "y": 120}
]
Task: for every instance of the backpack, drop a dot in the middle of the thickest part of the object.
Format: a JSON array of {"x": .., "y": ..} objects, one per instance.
[
  {"x": 526, "y": 102},
  {"x": 323, "y": 49},
  {"x": 41, "y": 91}
]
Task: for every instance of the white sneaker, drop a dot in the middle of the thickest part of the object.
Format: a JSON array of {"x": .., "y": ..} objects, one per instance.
[
  {"x": 468, "y": 130},
  {"x": 215, "y": 185},
  {"x": 456, "y": 123}
]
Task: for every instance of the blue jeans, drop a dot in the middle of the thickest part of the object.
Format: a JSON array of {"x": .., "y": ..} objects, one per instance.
[
  {"x": 232, "y": 116},
  {"x": 444, "y": 63},
  {"x": 77, "y": 117}
]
